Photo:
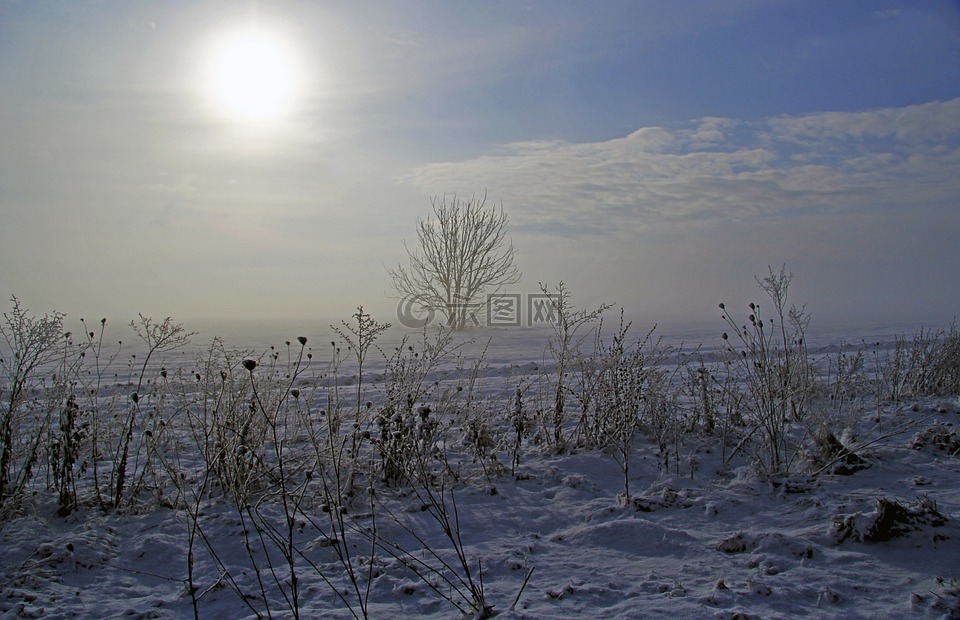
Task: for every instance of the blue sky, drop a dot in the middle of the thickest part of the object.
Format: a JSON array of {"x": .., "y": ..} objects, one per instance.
[{"x": 655, "y": 154}]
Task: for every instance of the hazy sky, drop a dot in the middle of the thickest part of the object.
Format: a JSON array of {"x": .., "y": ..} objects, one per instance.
[{"x": 656, "y": 154}]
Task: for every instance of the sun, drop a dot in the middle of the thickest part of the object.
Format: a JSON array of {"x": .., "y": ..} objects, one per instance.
[{"x": 251, "y": 75}]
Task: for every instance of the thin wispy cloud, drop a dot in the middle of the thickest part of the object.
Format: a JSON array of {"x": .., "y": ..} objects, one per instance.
[{"x": 716, "y": 169}]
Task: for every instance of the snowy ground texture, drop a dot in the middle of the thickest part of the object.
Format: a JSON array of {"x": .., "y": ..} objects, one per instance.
[{"x": 702, "y": 534}]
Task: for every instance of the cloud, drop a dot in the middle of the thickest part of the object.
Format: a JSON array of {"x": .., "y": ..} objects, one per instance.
[
  {"x": 887, "y": 14},
  {"x": 184, "y": 185},
  {"x": 914, "y": 125},
  {"x": 716, "y": 169}
]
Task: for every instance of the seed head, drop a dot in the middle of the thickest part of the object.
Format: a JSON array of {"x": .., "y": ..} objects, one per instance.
[
  {"x": 302, "y": 340},
  {"x": 249, "y": 364}
]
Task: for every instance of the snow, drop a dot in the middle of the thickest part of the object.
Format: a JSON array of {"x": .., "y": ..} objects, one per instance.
[{"x": 698, "y": 538}]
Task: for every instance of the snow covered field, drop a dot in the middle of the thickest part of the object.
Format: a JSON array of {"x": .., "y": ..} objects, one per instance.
[{"x": 547, "y": 535}]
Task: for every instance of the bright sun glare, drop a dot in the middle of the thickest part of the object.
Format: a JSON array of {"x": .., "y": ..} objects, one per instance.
[{"x": 251, "y": 76}]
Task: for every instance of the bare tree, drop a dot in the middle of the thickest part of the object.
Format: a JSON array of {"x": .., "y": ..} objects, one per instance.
[{"x": 463, "y": 253}]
